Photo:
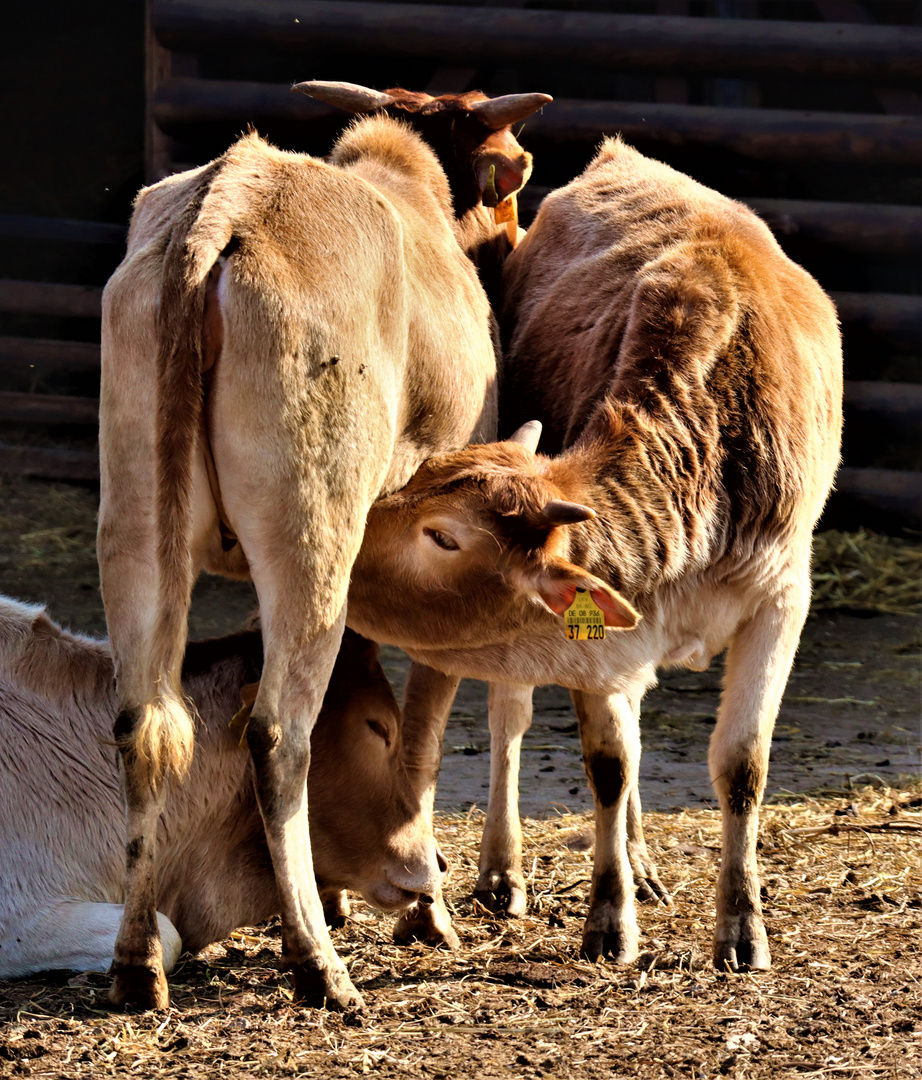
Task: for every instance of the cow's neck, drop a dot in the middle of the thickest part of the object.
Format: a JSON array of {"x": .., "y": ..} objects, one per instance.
[{"x": 651, "y": 481}]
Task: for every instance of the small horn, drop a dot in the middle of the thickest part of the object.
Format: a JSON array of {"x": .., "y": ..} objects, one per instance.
[
  {"x": 527, "y": 435},
  {"x": 346, "y": 96},
  {"x": 558, "y": 512},
  {"x": 500, "y": 112}
]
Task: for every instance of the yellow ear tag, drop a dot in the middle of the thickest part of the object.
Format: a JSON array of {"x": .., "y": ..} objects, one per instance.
[
  {"x": 507, "y": 213},
  {"x": 584, "y": 620}
]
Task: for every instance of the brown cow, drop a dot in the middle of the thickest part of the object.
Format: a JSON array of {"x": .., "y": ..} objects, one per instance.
[
  {"x": 61, "y": 825},
  {"x": 692, "y": 375},
  {"x": 285, "y": 340}
]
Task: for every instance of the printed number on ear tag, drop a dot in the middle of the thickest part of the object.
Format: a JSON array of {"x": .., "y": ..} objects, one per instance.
[{"x": 583, "y": 620}]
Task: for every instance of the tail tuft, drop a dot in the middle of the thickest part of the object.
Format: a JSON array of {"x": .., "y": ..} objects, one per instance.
[{"x": 164, "y": 737}]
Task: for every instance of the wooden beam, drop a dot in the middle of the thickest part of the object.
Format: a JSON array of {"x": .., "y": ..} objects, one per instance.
[
  {"x": 43, "y": 298},
  {"x": 771, "y": 134},
  {"x": 61, "y": 230},
  {"x": 455, "y": 34},
  {"x": 48, "y": 462},
  {"x": 888, "y": 314},
  {"x": 890, "y": 492},
  {"x": 44, "y": 353},
  {"x": 868, "y": 228},
  {"x": 48, "y": 409},
  {"x": 764, "y": 134}
]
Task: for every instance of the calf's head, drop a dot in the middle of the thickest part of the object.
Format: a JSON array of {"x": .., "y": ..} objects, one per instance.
[
  {"x": 476, "y": 548},
  {"x": 470, "y": 133},
  {"x": 371, "y": 784}
]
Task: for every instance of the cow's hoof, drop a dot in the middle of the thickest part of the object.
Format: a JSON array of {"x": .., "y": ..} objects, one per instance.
[
  {"x": 336, "y": 907},
  {"x": 327, "y": 989},
  {"x": 138, "y": 989},
  {"x": 648, "y": 885},
  {"x": 502, "y": 892},
  {"x": 607, "y": 935},
  {"x": 429, "y": 923},
  {"x": 745, "y": 950}
]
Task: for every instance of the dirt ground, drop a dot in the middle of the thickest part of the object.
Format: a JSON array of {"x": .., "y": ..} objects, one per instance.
[{"x": 840, "y": 853}]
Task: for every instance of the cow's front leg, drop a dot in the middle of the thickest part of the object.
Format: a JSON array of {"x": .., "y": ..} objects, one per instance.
[
  {"x": 758, "y": 663},
  {"x": 611, "y": 755},
  {"x": 427, "y": 701},
  {"x": 646, "y": 878},
  {"x": 501, "y": 883},
  {"x": 138, "y": 979},
  {"x": 278, "y": 735}
]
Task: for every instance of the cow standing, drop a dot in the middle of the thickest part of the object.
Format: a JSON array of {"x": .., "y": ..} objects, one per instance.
[
  {"x": 62, "y": 863},
  {"x": 285, "y": 340},
  {"x": 691, "y": 376}
]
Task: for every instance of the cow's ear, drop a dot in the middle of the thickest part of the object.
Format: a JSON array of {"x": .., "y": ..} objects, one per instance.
[
  {"x": 556, "y": 583},
  {"x": 501, "y": 171}
]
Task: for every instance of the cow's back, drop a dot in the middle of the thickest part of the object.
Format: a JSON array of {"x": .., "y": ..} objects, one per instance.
[{"x": 636, "y": 284}]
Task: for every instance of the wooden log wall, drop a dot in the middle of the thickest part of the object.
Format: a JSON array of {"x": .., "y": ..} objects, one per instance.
[{"x": 817, "y": 124}]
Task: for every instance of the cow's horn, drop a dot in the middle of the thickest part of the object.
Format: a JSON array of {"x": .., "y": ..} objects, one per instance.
[
  {"x": 527, "y": 435},
  {"x": 509, "y": 109},
  {"x": 558, "y": 512},
  {"x": 346, "y": 96}
]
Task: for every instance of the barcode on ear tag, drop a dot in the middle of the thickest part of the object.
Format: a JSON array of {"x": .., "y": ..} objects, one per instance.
[{"x": 584, "y": 620}]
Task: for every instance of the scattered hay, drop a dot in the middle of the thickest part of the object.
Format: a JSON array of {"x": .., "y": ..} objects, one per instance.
[
  {"x": 866, "y": 570},
  {"x": 843, "y": 908}
]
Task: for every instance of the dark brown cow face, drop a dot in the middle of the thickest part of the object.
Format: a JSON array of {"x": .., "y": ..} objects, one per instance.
[
  {"x": 371, "y": 784},
  {"x": 470, "y": 133},
  {"x": 471, "y": 552}
]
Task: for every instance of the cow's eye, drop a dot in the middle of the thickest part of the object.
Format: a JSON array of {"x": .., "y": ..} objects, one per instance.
[
  {"x": 380, "y": 730},
  {"x": 441, "y": 539}
]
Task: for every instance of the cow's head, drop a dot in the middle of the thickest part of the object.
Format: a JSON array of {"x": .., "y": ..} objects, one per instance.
[
  {"x": 470, "y": 133},
  {"x": 371, "y": 785},
  {"x": 476, "y": 547}
]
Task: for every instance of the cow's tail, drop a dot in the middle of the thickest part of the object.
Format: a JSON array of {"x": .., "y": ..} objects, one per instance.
[{"x": 164, "y": 732}]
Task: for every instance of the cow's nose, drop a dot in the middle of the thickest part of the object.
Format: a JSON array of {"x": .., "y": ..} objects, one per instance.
[{"x": 441, "y": 860}]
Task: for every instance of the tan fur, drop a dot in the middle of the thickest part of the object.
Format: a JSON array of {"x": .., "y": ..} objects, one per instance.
[
  {"x": 61, "y": 847},
  {"x": 286, "y": 340},
  {"x": 690, "y": 376}
]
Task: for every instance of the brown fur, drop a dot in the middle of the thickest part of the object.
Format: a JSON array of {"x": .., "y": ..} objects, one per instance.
[
  {"x": 61, "y": 823},
  {"x": 314, "y": 296},
  {"x": 690, "y": 377}
]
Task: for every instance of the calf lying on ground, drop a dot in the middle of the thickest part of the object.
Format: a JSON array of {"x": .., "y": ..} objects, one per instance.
[
  {"x": 692, "y": 376},
  {"x": 285, "y": 340},
  {"x": 61, "y": 823}
]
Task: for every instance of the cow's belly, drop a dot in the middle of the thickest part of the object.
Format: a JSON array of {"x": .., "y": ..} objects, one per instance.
[{"x": 686, "y": 627}]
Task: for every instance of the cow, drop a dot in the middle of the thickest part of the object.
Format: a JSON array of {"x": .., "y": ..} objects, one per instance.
[
  {"x": 61, "y": 823},
  {"x": 689, "y": 376},
  {"x": 285, "y": 340}
]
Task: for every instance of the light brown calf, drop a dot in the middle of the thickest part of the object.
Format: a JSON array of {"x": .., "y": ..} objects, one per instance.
[
  {"x": 61, "y": 825},
  {"x": 690, "y": 375},
  {"x": 286, "y": 340}
]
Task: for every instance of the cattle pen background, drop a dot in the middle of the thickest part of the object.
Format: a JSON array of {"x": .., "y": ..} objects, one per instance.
[{"x": 809, "y": 111}]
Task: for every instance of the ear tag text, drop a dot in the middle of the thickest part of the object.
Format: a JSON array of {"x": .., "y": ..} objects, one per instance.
[{"x": 584, "y": 620}]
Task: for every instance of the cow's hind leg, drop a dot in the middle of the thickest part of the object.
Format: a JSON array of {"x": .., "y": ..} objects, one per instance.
[
  {"x": 646, "y": 878},
  {"x": 501, "y": 883},
  {"x": 611, "y": 755},
  {"x": 758, "y": 663},
  {"x": 278, "y": 735}
]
